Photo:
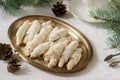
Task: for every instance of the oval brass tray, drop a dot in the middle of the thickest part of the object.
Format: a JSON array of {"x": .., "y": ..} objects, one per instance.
[{"x": 85, "y": 44}]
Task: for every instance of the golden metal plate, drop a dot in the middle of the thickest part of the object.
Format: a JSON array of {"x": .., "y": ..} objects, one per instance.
[{"x": 84, "y": 43}]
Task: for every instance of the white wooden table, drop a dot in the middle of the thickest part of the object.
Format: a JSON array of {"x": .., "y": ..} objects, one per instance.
[{"x": 96, "y": 70}]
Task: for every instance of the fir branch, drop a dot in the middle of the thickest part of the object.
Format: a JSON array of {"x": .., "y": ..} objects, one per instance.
[
  {"x": 114, "y": 41},
  {"x": 113, "y": 4},
  {"x": 105, "y": 15},
  {"x": 110, "y": 19},
  {"x": 14, "y": 6},
  {"x": 10, "y": 6}
]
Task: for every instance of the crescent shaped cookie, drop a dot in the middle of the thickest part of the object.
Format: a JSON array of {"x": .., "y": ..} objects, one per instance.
[
  {"x": 57, "y": 33},
  {"x": 68, "y": 51},
  {"x": 34, "y": 29},
  {"x": 74, "y": 59},
  {"x": 39, "y": 50},
  {"x": 55, "y": 52},
  {"x": 21, "y": 32},
  {"x": 39, "y": 38}
]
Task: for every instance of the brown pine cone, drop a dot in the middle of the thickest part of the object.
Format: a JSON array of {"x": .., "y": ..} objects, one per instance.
[
  {"x": 13, "y": 67},
  {"x": 13, "y": 60},
  {"x": 59, "y": 9},
  {"x": 5, "y": 51}
]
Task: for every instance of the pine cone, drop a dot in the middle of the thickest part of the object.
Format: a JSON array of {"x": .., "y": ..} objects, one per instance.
[
  {"x": 5, "y": 51},
  {"x": 13, "y": 61},
  {"x": 12, "y": 65},
  {"x": 59, "y": 9}
]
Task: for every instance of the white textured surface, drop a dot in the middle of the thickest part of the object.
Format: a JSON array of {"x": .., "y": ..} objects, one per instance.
[{"x": 96, "y": 70}]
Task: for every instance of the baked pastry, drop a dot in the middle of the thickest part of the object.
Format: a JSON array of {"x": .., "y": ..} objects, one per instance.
[
  {"x": 21, "y": 32},
  {"x": 57, "y": 33},
  {"x": 47, "y": 23},
  {"x": 32, "y": 31},
  {"x": 39, "y": 50},
  {"x": 53, "y": 32},
  {"x": 74, "y": 58},
  {"x": 67, "y": 52},
  {"x": 54, "y": 53},
  {"x": 63, "y": 39},
  {"x": 38, "y": 38}
]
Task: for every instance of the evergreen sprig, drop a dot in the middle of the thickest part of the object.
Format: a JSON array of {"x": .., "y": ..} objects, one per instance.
[
  {"x": 110, "y": 20},
  {"x": 14, "y": 6}
]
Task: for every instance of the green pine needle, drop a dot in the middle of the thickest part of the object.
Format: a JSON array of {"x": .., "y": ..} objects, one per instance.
[
  {"x": 14, "y": 6},
  {"x": 110, "y": 20}
]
